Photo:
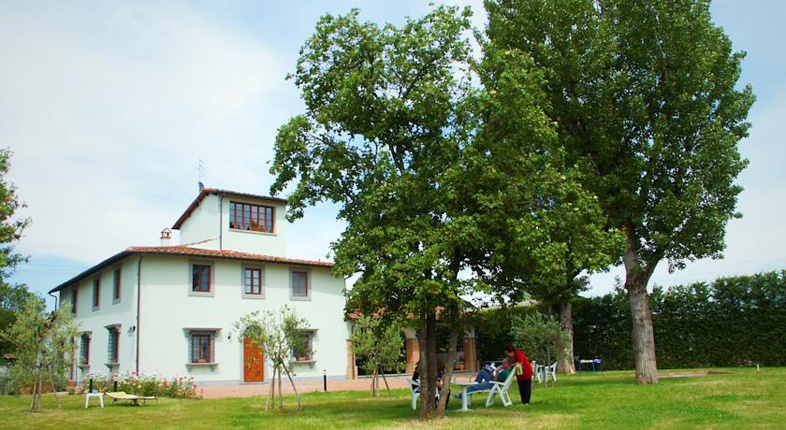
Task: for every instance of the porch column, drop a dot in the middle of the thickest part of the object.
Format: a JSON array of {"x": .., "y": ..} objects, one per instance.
[
  {"x": 352, "y": 369},
  {"x": 413, "y": 349},
  {"x": 470, "y": 352}
]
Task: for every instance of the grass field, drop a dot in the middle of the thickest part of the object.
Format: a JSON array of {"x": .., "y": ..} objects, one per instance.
[{"x": 735, "y": 399}]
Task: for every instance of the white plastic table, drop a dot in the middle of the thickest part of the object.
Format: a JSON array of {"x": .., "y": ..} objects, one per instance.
[
  {"x": 89, "y": 395},
  {"x": 464, "y": 396}
]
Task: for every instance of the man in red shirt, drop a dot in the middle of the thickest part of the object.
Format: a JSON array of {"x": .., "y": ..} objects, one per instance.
[{"x": 525, "y": 378}]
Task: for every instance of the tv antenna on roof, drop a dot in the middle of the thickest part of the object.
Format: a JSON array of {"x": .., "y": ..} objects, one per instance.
[{"x": 201, "y": 174}]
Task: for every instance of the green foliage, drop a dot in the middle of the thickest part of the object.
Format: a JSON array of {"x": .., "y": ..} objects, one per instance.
[
  {"x": 540, "y": 336},
  {"x": 383, "y": 136},
  {"x": 12, "y": 300},
  {"x": 442, "y": 164},
  {"x": 644, "y": 97},
  {"x": 42, "y": 344},
  {"x": 731, "y": 322},
  {"x": 377, "y": 347},
  {"x": 10, "y": 229},
  {"x": 12, "y": 297},
  {"x": 494, "y": 330},
  {"x": 379, "y": 132},
  {"x": 179, "y": 387},
  {"x": 7, "y": 383},
  {"x": 645, "y": 92},
  {"x": 540, "y": 225}
]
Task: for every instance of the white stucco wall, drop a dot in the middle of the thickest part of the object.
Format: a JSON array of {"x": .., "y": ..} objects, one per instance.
[
  {"x": 167, "y": 307},
  {"x": 202, "y": 228},
  {"x": 95, "y": 320}
]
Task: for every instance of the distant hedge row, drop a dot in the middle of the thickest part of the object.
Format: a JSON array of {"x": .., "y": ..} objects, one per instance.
[{"x": 730, "y": 322}]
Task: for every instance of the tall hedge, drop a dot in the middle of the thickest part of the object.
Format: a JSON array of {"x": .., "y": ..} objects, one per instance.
[
  {"x": 601, "y": 329},
  {"x": 730, "y": 322}
]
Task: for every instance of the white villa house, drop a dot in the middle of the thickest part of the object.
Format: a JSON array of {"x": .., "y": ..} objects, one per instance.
[{"x": 169, "y": 310}]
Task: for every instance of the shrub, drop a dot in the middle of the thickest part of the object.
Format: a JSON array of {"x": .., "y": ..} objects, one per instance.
[
  {"x": 7, "y": 384},
  {"x": 179, "y": 387}
]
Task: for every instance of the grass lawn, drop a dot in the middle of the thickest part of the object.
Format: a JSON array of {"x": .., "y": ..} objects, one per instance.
[{"x": 741, "y": 398}]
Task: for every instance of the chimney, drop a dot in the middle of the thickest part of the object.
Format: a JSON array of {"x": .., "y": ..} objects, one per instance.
[{"x": 166, "y": 236}]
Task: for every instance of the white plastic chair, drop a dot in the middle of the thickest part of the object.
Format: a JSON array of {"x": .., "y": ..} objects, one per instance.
[
  {"x": 551, "y": 371},
  {"x": 501, "y": 388},
  {"x": 537, "y": 370},
  {"x": 414, "y": 387}
]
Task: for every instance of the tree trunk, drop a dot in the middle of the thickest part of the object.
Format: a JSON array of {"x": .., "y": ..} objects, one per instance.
[
  {"x": 567, "y": 364},
  {"x": 386, "y": 384},
  {"x": 444, "y": 394},
  {"x": 642, "y": 335},
  {"x": 374, "y": 383},
  {"x": 428, "y": 365},
  {"x": 35, "y": 400}
]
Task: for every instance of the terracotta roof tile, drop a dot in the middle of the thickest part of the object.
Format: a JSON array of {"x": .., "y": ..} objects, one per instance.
[
  {"x": 188, "y": 251},
  {"x": 235, "y": 255}
]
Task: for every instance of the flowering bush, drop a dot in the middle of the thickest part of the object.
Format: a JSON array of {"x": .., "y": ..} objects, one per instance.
[{"x": 177, "y": 388}]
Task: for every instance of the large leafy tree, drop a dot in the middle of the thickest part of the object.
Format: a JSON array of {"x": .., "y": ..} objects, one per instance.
[
  {"x": 446, "y": 169},
  {"x": 379, "y": 131},
  {"x": 644, "y": 96}
]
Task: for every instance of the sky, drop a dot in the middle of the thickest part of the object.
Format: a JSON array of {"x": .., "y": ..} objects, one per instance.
[{"x": 110, "y": 107}]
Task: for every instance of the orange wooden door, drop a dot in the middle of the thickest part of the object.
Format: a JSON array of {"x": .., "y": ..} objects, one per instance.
[{"x": 253, "y": 363}]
